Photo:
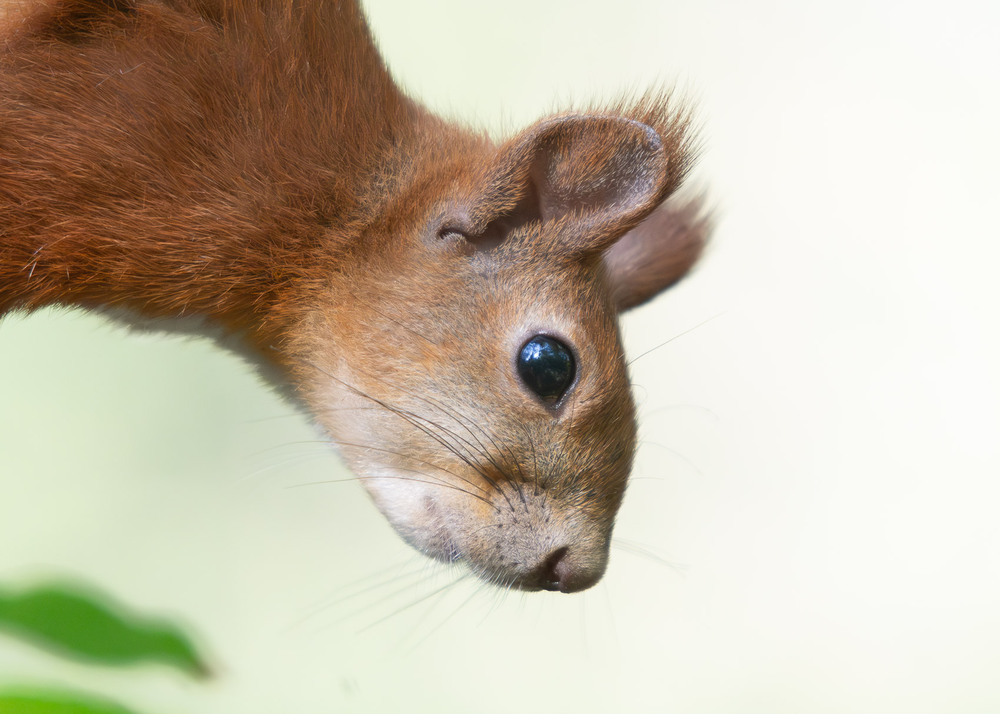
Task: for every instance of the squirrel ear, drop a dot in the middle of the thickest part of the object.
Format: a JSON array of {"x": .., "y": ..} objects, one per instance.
[
  {"x": 603, "y": 173},
  {"x": 657, "y": 253},
  {"x": 606, "y": 170}
]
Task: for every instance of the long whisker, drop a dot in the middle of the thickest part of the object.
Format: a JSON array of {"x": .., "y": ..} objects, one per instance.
[
  {"x": 676, "y": 453},
  {"x": 419, "y": 600},
  {"x": 393, "y": 320},
  {"x": 464, "y": 422},
  {"x": 681, "y": 334},
  {"x": 297, "y": 414},
  {"x": 424, "y": 422},
  {"x": 534, "y": 457},
  {"x": 394, "y": 478},
  {"x": 706, "y": 411},
  {"x": 361, "y": 587},
  {"x": 410, "y": 458},
  {"x": 565, "y": 436},
  {"x": 453, "y": 414},
  {"x": 287, "y": 461},
  {"x": 634, "y": 548},
  {"x": 415, "y": 421},
  {"x": 424, "y": 576},
  {"x": 437, "y": 481},
  {"x": 451, "y": 613}
]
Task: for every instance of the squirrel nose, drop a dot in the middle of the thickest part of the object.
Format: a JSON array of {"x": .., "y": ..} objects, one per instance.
[
  {"x": 553, "y": 570},
  {"x": 560, "y": 572}
]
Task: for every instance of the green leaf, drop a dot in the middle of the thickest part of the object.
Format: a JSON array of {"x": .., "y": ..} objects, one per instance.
[
  {"x": 38, "y": 702},
  {"x": 87, "y": 625}
]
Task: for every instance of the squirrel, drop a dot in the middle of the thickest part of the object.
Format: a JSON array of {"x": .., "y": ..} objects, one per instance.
[{"x": 445, "y": 306}]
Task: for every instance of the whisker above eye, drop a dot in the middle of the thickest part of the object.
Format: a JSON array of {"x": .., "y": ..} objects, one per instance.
[{"x": 675, "y": 337}]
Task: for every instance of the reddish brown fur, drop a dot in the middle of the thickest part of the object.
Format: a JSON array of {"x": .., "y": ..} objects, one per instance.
[{"x": 252, "y": 162}]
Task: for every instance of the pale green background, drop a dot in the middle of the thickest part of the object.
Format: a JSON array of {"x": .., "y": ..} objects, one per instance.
[{"x": 822, "y": 458}]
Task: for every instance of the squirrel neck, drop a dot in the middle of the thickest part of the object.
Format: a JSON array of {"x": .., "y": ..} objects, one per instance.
[{"x": 196, "y": 165}]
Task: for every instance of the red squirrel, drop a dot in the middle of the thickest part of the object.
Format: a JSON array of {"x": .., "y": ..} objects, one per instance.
[{"x": 445, "y": 306}]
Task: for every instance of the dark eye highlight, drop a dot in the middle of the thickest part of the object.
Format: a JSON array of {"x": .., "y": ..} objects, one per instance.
[{"x": 546, "y": 366}]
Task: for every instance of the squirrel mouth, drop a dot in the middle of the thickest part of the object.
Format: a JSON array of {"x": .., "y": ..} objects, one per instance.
[{"x": 533, "y": 547}]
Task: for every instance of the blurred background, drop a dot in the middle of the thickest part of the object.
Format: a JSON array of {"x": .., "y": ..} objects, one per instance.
[{"x": 813, "y": 524}]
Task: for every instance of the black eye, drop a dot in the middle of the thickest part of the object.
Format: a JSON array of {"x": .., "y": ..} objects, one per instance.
[{"x": 546, "y": 366}]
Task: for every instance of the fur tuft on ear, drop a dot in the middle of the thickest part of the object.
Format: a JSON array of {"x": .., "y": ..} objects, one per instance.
[
  {"x": 658, "y": 252},
  {"x": 602, "y": 171}
]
